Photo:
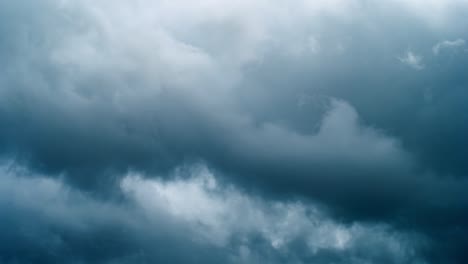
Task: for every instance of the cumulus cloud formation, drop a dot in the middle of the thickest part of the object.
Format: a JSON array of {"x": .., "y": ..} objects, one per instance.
[
  {"x": 233, "y": 132},
  {"x": 195, "y": 215}
]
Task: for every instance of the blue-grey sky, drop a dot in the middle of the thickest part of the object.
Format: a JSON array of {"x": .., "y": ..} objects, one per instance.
[{"x": 248, "y": 131}]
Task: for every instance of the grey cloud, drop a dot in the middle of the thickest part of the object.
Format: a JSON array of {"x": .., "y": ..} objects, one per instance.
[
  {"x": 303, "y": 100},
  {"x": 48, "y": 222}
]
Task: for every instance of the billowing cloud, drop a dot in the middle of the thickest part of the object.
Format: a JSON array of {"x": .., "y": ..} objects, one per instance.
[
  {"x": 300, "y": 112},
  {"x": 177, "y": 220}
]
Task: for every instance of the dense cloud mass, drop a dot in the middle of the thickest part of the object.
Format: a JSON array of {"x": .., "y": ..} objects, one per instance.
[
  {"x": 190, "y": 219},
  {"x": 233, "y": 132}
]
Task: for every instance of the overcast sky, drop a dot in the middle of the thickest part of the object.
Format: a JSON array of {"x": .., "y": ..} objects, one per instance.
[{"x": 248, "y": 131}]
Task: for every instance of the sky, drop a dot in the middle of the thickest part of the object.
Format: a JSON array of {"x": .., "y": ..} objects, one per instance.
[{"x": 249, "y": 131}]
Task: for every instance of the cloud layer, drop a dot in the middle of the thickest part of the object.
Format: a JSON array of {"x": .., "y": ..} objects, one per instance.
[
  {"x": 190, "y": 219},
  {"x": 246, "y": 132}
]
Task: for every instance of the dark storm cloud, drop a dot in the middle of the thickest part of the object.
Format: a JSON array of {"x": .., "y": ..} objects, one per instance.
[
  {"x": 355, "y": 105},
  {"x": 45, "y": 221}
]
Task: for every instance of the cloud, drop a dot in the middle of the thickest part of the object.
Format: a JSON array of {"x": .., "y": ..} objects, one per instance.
[
  {"x": 299, "y": 104},
  {"x": 51, "y": 222},
  {"x": 412, "y": 60},
  {"x": 447, "y": 44},
  {"x": 46, "y": 221}
]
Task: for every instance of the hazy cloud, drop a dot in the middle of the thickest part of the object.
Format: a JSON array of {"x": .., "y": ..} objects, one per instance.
[
  {"x": 446, "y": 44},
  {"x": 412, "y": 60}
]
